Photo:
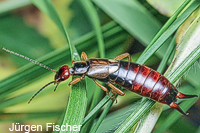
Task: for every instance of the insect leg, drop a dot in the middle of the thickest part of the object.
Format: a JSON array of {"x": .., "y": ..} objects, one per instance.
[
  {"x": 76, "y": 80},
  {"x": 122, "y": 56},
  {"x": 117, "y": 90},
  {"x": 73, "y": 61},
  {"x": 84, "y": 56},
  {"x": 114, "y": 94},
  {"x": 103, "y": 88}
]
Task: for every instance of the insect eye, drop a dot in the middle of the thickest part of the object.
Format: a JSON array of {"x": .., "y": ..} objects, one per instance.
[{"x": 62, "y": 78}]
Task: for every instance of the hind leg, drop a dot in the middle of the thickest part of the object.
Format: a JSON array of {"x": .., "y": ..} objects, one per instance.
[
  {"x": 117, "y": 90},
  {"x": 103, "y": 88}
]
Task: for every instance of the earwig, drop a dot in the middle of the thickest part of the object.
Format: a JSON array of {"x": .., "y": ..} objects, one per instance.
[{"x": 131, "y": 76}]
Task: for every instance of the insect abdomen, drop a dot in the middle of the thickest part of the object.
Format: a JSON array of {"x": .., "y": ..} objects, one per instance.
[
  {"x": 147, "y": 82},
  {"x": 142, "y": 80}
]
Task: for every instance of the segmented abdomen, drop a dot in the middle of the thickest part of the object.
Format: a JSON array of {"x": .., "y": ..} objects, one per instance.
[{"x": 144, "y": 81}]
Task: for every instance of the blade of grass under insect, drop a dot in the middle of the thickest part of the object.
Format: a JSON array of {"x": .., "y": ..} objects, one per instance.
[
  {"x": 115, "y": 118},
  {"x": 146, "y": 104},
  {"x": 97, "y": 95},
  {"x": 172, "y": 28},
  {"x": 76, "y": 106},
  {"x": 77, "y": 101},
  {"x": 167, "y": 24},
  {"x": 8, "y": 6},
  {"x": 96, "y": 108},
  {"x": 103, "y": 115},
  {"x": 132, "y": 120}
]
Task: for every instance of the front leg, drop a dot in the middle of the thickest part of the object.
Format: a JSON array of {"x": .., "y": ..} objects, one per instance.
[{"x": 76, "y": 80}]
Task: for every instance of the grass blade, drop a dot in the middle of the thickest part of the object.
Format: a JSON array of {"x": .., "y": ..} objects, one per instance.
[
  {"x": 103, "y": 115},
  {"x": 96, "y": 109},
  {"x": 93, "y": 17},
  {"x": 172, "y": 28},
  {"x": 135, "y": 116},
  {"x": 167, "y": 24},
  {"x": 77, "y": 100}
]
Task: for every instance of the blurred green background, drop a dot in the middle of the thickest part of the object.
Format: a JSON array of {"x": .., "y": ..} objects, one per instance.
[{"x": 127, "y": 26}]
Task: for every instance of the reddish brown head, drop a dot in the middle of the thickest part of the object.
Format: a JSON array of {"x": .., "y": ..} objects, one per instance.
[{"x": 61, "y": 75}]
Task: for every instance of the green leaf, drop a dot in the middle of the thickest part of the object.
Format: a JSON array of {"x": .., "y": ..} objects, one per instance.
[
  {"x": 77, "y": 100},
  {"x": 94, "y": 19},
  {"x": 172, "y": 28},
  {"x": 133, "y": 17}
]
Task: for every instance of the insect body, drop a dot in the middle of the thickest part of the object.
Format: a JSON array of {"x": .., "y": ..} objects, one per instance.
[{"x": 134, "y": 77}]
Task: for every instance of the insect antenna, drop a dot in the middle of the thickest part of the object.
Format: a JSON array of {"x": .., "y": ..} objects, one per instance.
[
  {"x": 22, "y": 56},
  {"x": 40, "y": 90}
]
